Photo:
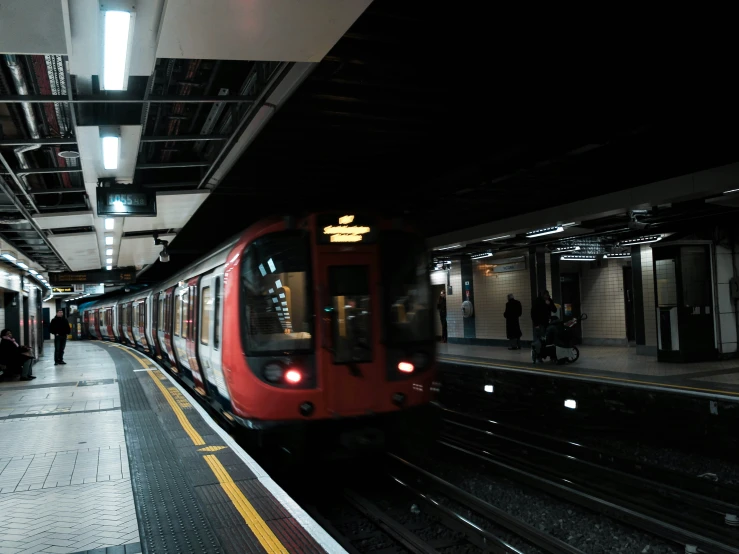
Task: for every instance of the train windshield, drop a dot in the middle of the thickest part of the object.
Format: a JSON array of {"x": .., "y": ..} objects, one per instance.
[
  {"x": 407, "y": 295},
  {"x": 275, "y": 278}
]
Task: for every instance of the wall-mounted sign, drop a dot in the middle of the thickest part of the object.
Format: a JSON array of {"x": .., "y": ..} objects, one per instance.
[
  {"x": 126, "y": 202},
  {"x": 62, "y": 290},
  {"x": 345, "y": 228},
  {"x": 504, "y": 268},
  {"x": 94, "y": 289},
  {"x": 122, "y": 275}
]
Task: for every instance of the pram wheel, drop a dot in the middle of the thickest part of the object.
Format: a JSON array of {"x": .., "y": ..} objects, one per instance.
[{"x": 574, "y": 354}]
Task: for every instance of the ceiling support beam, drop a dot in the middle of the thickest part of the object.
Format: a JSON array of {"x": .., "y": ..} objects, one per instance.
[
  {"x": 42, "y": 142},
  {"x": 169, "y": 99},
  {"x": 5, "y": 188},
  {"x": 41, "y": 170},
  {"x": 170, "y": 165},
  {"x": 57, "y": 191},
  {"x": 180, "y": 138}
]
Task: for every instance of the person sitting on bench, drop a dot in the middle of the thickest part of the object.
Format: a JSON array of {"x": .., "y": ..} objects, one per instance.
[{"x": 17, "y": 359}]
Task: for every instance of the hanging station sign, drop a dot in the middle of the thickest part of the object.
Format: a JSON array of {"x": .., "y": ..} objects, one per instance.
[
  {"x": 114, "y": 276},
  {"x": 345, "y": 229},
  {"x": 126, "y": 202}
]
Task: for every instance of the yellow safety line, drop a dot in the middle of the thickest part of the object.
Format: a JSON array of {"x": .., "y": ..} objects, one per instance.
[
  {"x": 252, "y": 518},
  {"x": 542, "y": 370},
  {"x": 186, "y": 425},
  {"x": 260, "y": 529}
]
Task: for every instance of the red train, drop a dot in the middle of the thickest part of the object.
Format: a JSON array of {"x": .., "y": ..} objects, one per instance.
[{"x": 328, "y": 318}]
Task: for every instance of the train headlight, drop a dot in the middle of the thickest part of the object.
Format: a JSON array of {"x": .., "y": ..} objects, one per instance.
[
  {"x": 293, "y": 376},
  {"x": 273, "y": 373},
  {"x": 405, "y": 367}
]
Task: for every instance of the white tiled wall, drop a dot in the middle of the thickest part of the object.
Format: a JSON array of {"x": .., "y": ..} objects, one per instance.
[
  {"x": 455, "y": 327},
  {"x": 602, "y": 298},
  {"x": 491, "y": 295},
  {"x": 725, "y": 305},
  {"x": 650, "y": 313}
]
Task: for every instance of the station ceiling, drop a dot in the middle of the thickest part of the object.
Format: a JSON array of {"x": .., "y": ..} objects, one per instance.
[{"x": 446, "y": 117}]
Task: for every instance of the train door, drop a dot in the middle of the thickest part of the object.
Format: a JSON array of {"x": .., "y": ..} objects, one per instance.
[
  {"x": 352, "y": 356},
  {"x": 208, "y": 343},
  {"x": 182, "y": 335},
  {"x": 165, "y": 333},
  {"x": 149, "y": 323}
]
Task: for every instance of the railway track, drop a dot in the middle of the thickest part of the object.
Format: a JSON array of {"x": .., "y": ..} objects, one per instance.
[{"x": 695, "y": 513}]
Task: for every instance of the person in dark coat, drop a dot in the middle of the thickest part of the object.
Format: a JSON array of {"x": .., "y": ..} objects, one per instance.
[
  {"x": 441, "y": 306},
  {"x": 541, "y": 311},
  {"x": 513, "y": 311},
  {"x": 16, "y": 359},
  {"x": 59, "y": 327}
]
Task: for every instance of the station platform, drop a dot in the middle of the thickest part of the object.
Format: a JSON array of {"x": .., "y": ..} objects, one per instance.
[
  {"x": 109, "y": 454},
  {"x": 615, "y": 364}
]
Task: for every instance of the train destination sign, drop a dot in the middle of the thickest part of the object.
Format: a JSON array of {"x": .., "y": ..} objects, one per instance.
[
  {"x": 121, "y": 275},
  {"x": 345, "y": 228},
  {"x": 126, "y": 202}
]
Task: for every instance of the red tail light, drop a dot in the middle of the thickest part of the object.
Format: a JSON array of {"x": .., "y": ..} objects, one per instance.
[
  {"x": 405, "y": 367},
  {"x": 293, "y": 376}
]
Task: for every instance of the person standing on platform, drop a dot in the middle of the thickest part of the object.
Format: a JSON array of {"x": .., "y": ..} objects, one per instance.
[
  {"x": 541, "y": 311},
  {"x": 60, "y": 328},
  {"x": 513, "y": 311},
  {"x": 441, "y": 306}
]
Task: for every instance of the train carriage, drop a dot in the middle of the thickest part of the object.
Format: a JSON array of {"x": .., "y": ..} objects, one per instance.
[{"x": 323, "y": 319}]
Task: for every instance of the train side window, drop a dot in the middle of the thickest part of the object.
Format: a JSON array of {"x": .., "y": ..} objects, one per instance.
[
  {"x": 160, "y": 323},
  {"x": 177, "y": 315},
  {"x": 217, "y": 315},
  {"x": 135, "y": 321},
  {"x": 186, "y": 314},
  {"x": 206, "y": 305}
]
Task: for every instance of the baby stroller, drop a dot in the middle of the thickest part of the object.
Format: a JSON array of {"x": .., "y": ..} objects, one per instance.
[{"x": 559, "y": 344}]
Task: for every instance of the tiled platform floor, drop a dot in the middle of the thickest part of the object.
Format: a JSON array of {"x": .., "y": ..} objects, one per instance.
[
  {"x": 64, "y": 477},
  {"x": 616, "y": 361}
]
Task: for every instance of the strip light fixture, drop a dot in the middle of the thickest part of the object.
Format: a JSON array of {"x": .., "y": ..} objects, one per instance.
[
  {"x": 111, "y": 151},
  {"x": 480, "y": 255},
  {"x": 450, "y": 247},
  {"x": 564, "y": 249},
  {"x": 641, "y": 240},
  {"x": 545, "y": 231},
  {"x": 732, "y": 191},
  {"x": 117, "y": 26},
  {"x": 578, "y": 258},
  {"x": 618, "y": 255},
  {"x": 501, "y": 237}
]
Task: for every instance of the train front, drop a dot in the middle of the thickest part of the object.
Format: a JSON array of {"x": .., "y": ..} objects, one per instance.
[{"x": 336, "y": 321}]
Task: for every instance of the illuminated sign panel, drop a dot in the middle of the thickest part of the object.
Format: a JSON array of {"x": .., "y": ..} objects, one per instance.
[
  {"x": 122, "y": 275},
  {"x": 345, "y": 228},
  {"x": 126, "y": 201}
]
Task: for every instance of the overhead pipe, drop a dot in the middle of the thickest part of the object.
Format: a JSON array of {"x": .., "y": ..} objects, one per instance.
[{"x": 16, "y": 71}]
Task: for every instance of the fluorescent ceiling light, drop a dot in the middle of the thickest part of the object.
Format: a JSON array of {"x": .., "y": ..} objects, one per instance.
[
  {"x": 109, "y": 240},
  {"x": 8, "y": 256},
  {"x": 109, "y": 267},
  {"x": 33, "y": 272},
  {"x": 449, "y": 247},
  {"x": 578, "y": 258},
  {"x": 116, "y": 29},
  {"x": 731, "y": 191},
  {"x": 109, "y": 252},
  {"x": 618, "y": 255},
  {"x": 481, "y": 255},
  {"x": 563, "y": 249},
  {"x": 499, "y": 238},
  {"x": 546, "y": 231},
  {"x": 109, "y": 223},
  {"x": 109, "y": 261},
  {"x": 641, "y": 240},
  {"x": 22, "y": 265},
  {"x": 110, "y": 155},
  {"x": 568, "y": 224},
  {"x": 488, "y": 388},
  {"x": 571, "y": 404}
]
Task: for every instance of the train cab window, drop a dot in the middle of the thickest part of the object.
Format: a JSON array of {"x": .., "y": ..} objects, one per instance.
[
  {"x": 177, "y": 314},
  {"x": 277, "y": 309},
  {"x": 217, "y": 315},
  {"x": 352, "y": 324},
  {"x": 408, "y": 307},
  {"x": 206, "y": 305}
]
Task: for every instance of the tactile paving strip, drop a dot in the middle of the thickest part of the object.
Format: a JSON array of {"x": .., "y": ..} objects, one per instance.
[{"x": 170, "y": 517}]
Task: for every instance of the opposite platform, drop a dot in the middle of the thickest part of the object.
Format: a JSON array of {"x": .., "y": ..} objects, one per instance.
[{"x": 182, "y": 484}]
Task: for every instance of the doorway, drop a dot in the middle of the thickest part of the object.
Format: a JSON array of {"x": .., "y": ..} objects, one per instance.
[
  {"x": 629, "y": 304},
  {"x": 435, "y": 293},
  {"x": 571, "y": 301}
]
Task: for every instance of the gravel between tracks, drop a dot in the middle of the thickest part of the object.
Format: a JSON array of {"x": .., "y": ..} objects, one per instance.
[{"x": 583, "y": 529}]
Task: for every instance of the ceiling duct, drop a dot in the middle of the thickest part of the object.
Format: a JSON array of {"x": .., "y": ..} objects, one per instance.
[{"x": 21, "y": 87}]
